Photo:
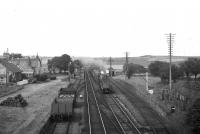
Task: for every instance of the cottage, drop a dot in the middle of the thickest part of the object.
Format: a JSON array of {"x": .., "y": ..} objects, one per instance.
[
  {"x": 9, "y": 72},
  {"x": 29, "y": 66}
]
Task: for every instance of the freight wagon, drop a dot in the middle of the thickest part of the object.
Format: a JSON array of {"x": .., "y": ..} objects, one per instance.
[
  {"x": 62, "y": 106},
  {"x": 105, "y": 86}
]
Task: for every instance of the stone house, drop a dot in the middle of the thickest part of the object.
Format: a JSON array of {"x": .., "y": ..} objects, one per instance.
[
  {"x": 29, "y": 66},
  {"x": 9, "y": 72}
]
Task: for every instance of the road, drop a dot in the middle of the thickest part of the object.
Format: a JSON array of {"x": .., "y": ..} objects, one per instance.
[{"x": 30, "y": 119}]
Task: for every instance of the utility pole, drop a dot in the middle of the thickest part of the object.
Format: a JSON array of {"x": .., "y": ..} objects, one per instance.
[
  {"x": 126, "y": 69},
  {"x": 147, "y": 79},
  {"x": 110, "y": 71},
  {"x": 6, "y": 77},
  {"x": 69, "y": 74},
  {"x": 170, "y": 39}
]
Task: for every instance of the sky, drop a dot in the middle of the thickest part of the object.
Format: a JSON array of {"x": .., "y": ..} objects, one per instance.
[{"x": 99, "y": 28}]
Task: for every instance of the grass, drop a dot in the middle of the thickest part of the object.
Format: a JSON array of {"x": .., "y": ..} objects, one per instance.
[
  {"x": 185, "y": 93},
  {"x": 9, "y": 89}
]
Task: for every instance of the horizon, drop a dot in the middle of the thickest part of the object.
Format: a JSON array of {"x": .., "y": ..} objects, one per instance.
[{"x": 47, "y": 56}]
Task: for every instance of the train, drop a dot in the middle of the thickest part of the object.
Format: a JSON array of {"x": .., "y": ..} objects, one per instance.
[
  {"x": 105, "y": 84},
  {"x": 63, "y": 105},
  {"x": 106, "y": 88}
]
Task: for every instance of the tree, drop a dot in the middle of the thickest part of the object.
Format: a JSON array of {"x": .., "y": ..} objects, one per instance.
[
  {"x": 15, "y": 55},
  {"x": 161, "y": 69},
  {"x": 61, "y": 63},
  {"x": 157, "y": 68},
  {"x": 186, "y": 68},
  {"x": 64, "y": 62},
  {"x": 194, "y": 66},
  {"x": 71, "y": 68},
  {"x": 133, "y": 68},
  {"x": 78, "y": 63},
  {"x": 50, "y": 66}
]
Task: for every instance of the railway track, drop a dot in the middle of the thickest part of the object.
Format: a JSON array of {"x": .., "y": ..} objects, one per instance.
[
  {"x": 59, "y": 127},
  {"x": 152, "y": 120},
  {"x": 122, "y": 116},
  {"x": 55, "y": 128},
  {"x": 95, "y": 120}
]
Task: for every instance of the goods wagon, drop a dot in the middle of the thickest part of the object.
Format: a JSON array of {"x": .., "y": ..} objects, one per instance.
[
  {"x": 69, "y": 90},
  {"x": 105, "y": 84},
  {"x": 62, "y": 106},
  {"x": 105, "y": 87}
]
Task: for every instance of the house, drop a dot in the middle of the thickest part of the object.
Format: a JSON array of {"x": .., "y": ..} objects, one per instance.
[
  {"x": 9, "y": 72},
  {"x": 30, "y": 66},
  {"x": 115, "y": 69},
  {"x": 44, "y": 60}
]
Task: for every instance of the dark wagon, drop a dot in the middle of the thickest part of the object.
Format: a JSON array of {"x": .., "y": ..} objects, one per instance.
[{"x": 62, "y": 106}]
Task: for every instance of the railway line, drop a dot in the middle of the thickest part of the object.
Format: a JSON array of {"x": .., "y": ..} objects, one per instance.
[
  {"x": 122, "y": 116},
  {"x": 151, "y": 119},
  {"x": 56, "y": 127},
  {"x": 59, "y": 126},
  {"x": 118, "y": 114},
  {"x": 95, "y": 120}
]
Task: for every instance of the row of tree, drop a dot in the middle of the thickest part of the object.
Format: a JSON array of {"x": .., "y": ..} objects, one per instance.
[
  {"x": 190, "y": 67},
  {"x": 132, "y": 68},
  {"x": 161, "y": 69},
  {"x": 63, "y": 63}
]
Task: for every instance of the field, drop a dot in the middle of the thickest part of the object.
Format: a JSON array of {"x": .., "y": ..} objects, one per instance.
[{"x": 142, "y": 60}]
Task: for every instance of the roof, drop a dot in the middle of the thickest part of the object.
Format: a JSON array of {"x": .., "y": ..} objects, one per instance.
[
  {"x": 10, "y": 66},
  {"x": 23, "y": 64},
  {"x": 115, "y": 67},
  {"x": 27, "y": 64}
]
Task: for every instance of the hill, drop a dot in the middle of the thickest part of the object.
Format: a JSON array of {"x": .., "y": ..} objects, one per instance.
[{"x": 143, "y": 60}]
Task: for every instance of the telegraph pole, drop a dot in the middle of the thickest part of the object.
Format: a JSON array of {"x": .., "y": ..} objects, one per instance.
[
  {"x": 126, "y": 69},
  {"x": 69, "y": 74},
  {"x": 110, "y": 67},
  {"x": 147, "y": 79},
  {"x": 170, "y": 39}
]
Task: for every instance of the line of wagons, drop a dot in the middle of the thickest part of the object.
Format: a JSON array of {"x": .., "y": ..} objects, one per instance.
[
  {"x": 63, "y": 105},
  {"x": 105, "y": 84}
]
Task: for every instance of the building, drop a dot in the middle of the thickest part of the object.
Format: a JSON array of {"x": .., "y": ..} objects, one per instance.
[
  {"x": 115, "y": 69},
  {"x": 9, "y": 72},
  {"x": 29, "y": 66}
]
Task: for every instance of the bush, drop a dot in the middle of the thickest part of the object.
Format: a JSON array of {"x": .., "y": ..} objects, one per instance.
[
  {"x": 52, "y": 77},
  {"x": 193, "y": 117},
  {"x": 41, "y": 77},
  {"x": 32, "y": 80}
]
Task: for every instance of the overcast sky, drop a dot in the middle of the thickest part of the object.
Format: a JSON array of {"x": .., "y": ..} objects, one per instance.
[{"x": 99, "y": 27}]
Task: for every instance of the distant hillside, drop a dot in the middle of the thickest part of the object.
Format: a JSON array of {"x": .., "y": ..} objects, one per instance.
[{"x": 143, "y": 60}]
